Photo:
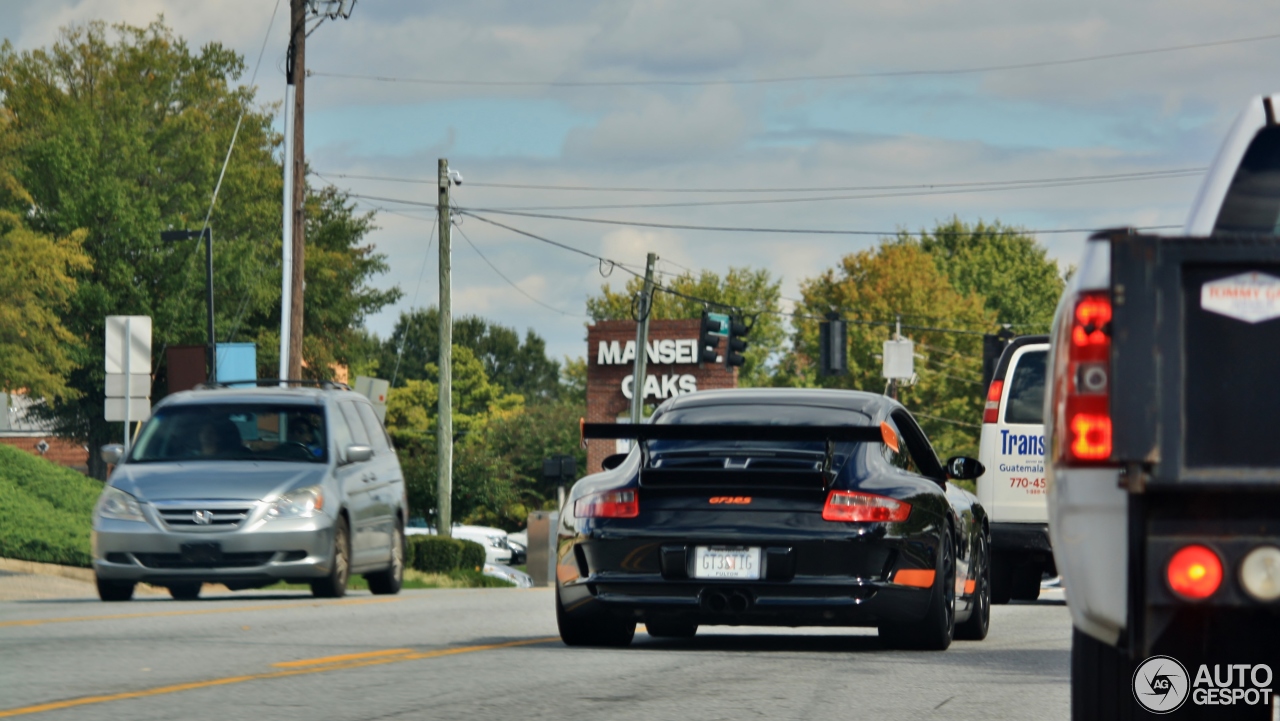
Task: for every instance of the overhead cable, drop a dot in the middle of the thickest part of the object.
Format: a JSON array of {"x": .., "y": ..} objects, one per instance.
[
  {"x": 971, "y": 70},
  {"x": 1105, "y": 177}
]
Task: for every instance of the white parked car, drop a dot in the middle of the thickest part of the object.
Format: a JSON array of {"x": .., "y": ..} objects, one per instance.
[{"x": 494, "y": 540}]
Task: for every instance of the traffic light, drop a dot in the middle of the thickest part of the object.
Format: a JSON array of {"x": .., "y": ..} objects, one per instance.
[
  {"x": 735, "y": 346},
  {"x": 833, "y": 344},
  {"x": 708, "y": 338}
]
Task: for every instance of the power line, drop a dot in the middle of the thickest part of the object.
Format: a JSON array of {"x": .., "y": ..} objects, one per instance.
[
  {"x": 977, "y": 69},
  {"x": 748, "y": 229},
  {"x": 511, "y": 282},
  {"x": 828, "y": 198},
  {"x": 1115, "y": 177}
]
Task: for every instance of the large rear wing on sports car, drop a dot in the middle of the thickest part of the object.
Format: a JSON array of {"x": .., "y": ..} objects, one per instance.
[
  {"x": 730, "y": 432},
  {"x": 738, "y": 477}
]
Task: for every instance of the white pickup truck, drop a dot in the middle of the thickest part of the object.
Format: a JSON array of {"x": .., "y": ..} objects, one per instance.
[{"x": 1162, "y": 458}]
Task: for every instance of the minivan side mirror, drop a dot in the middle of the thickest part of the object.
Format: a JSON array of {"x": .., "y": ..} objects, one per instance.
[
  {"x": 359, "y": 453},
  {"x": 112, "y": 453},
  {"x": 611, "y": 462},
  {"x": 963, "y": 468}
]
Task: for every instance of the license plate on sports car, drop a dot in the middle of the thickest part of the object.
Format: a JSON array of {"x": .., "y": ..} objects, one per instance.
[{"x": 741, "y": 562}]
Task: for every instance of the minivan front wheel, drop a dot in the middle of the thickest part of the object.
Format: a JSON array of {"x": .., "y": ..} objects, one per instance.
[
  {"x": 114, "y": 590},
  {"x": 335, "y": 584}
]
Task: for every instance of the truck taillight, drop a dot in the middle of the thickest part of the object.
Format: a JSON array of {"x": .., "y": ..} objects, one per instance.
[
  {"x": 1083, "y": 423},
  {"x": 991, "y": 414}
]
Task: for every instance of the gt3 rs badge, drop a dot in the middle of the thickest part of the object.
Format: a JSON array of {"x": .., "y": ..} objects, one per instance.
[
  {"x": 1250, "y": 297},
  {"x": 732, "y": 500}
]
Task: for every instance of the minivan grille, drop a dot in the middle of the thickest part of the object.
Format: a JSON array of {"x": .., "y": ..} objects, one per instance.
[{"x": 197, "y": 517}]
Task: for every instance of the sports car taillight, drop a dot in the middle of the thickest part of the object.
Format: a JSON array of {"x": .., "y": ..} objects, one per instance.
[
  {"x": 608, "y": 504},
  {"x": 855, "y": 506},
  {"x": 1083, "y": 383}
]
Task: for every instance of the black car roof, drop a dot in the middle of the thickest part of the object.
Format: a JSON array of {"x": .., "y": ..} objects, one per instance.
[{"x": 871, "y": 404}]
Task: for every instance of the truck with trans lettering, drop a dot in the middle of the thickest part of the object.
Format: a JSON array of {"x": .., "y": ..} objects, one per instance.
[
  {"x": 1012, "y": 484},
  {"x": 1163, "y": 461}
]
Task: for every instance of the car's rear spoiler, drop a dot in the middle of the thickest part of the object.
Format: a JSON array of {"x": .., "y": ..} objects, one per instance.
[
  {"x": 731, "y": 432},
  {"x": 817, "y": 480}
]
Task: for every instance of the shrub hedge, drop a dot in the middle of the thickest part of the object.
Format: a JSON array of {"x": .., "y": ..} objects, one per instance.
[
  {"x": 46, "y": 511},
  {"x": 436, "y": 554}
]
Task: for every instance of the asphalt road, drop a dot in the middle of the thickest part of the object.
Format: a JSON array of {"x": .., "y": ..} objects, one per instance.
[{"x": 494, "y": 654}]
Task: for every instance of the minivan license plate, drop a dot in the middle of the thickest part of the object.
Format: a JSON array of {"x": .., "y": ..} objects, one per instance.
[{"x": 739, "y": 562}]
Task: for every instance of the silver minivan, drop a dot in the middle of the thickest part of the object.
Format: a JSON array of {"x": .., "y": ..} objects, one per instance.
[{"x": 250, "y": 486}]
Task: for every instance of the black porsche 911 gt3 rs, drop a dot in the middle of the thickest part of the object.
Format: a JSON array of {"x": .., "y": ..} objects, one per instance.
[{"x": 774, "y": 507}]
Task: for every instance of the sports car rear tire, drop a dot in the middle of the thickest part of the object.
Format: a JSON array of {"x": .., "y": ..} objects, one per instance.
[
  {"x": 935, "y": 630},
  {"x": 976, "y": 626},
  {"x": 671, "y": 629},
  {"x": 593, "y": 630}
]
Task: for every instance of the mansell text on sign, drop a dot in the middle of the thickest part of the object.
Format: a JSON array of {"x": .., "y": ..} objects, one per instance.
[{"x": 673, "y": 370}]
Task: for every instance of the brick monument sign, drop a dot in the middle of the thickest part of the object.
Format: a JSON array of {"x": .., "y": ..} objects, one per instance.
[{"x": 673, "y": 370}]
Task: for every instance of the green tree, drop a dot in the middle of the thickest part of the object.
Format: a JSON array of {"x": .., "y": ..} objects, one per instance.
[
  {"x": 755, "y": 293},
  {"x": 480, "y": 480},
  {"x": 37, "y": 282},
  {"x": 121, "y": 132},
  {"x": 518, "y": 367},
  {"x": 1003, "y": 265},
  {"x": 870, "y": 289}
]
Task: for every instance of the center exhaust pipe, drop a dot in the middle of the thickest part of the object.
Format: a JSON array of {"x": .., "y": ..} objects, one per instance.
[{"x": 733, "y": 602}]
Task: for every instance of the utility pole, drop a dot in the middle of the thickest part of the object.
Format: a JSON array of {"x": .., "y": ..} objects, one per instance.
[
  {"x": 296, "y": 70},
  {"x": 642, "y": 342},
  {"x": 444, "y": 432},
  {"x": 295, "y": 229}
]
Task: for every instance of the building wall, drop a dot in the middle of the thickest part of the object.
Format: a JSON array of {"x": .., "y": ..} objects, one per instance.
[
  {"x": 61, "y": 451},
  {"x": 605, "y": 398}
]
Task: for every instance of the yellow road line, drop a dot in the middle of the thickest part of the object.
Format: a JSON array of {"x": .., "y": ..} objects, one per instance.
[
  {"x": 196, "y": 685},
  {"x": 195, "y": 612},
  {"x": 344, "y": 657}
]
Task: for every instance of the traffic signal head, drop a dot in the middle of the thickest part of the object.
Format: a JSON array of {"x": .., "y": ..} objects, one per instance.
[
  {"x": 736, "y": 344},
  {"x": 708, "y": 339}
]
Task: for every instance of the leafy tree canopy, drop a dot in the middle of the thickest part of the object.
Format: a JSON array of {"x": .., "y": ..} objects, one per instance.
[
  {"x": 518, "y": 367},
  {"x": 753, "y": 292},
  {"x": 1003, "y": 265}
]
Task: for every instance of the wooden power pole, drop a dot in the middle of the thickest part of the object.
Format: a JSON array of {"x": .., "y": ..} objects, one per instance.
[
  {"x": 297, "y": 73},
  {"x": 640, "y": 370},
  {"x": 444, "y": 430}
]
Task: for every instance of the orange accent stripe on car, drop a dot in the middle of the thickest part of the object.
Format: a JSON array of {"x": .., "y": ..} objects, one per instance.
[
  {"x": 970, "y": 586},
  {"x": 889, "y": 435},
  {"x": 917, "y": 577}
]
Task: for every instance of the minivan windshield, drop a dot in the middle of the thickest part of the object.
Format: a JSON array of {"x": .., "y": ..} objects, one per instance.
[{"x": 233, "y": 432}]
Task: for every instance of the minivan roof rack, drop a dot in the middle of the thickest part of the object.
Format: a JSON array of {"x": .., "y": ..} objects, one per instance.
[{"x": 262, "y": 382}]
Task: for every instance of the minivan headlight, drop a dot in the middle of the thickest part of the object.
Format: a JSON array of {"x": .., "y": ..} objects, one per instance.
[
  {"x": 298, "y": 503},
  {"x": 118, "y": 505}
]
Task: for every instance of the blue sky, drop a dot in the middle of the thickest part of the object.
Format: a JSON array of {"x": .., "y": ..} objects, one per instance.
[{"x": 1149, "y": 112}]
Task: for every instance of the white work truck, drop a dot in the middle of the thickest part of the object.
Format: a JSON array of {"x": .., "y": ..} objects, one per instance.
[
  {"x": 1012, "y": 485},
  {"x": 1163, "y": 458}
]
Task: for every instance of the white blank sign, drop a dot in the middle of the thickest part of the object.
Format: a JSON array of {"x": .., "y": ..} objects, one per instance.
[
  {"x": 139, "y": 409},
  {"x": 138, "y": 345}
]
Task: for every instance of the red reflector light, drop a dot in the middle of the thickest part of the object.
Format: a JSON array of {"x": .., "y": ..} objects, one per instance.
[
  {"x": 863, "y": 507},
  {"x": 1091, "y": 436},
  {"x": 1194, "y": 572},
  {"x": 608, "y": 504},
  {"x": 991, "y": 414}
]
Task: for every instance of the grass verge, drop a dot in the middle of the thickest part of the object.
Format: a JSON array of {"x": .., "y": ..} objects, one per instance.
[{"x": 415, "y": 579}]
